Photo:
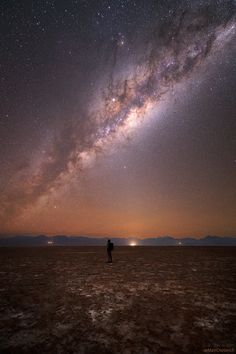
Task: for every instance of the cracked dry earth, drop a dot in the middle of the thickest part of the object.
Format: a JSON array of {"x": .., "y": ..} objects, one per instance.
[{"x": 150, "y": 300}]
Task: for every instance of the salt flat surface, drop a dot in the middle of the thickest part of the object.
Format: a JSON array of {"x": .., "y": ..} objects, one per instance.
[{"x": 150, "y": 300}]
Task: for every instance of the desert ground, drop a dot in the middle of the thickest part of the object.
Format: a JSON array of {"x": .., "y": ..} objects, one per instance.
[{"x": 150, "y": 300}]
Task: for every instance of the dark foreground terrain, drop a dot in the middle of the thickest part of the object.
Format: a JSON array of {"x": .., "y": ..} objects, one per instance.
[{"x": 150, "y": 300}]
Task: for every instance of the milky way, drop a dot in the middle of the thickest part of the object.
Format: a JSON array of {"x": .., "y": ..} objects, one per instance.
[{"x": 133, "y": 75}]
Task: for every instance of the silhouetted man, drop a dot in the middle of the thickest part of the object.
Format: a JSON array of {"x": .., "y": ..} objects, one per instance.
[{"x": 110, "y": 247}]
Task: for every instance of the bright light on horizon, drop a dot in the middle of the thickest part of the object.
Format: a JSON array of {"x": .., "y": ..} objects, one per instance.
[{"x": 133, "y": 244}]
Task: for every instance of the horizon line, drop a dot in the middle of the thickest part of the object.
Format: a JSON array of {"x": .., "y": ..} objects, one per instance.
[{"x": 110, "y": 236}]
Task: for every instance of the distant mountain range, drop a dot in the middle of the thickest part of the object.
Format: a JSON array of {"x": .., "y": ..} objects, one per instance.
[{"x": 62, "y": 240}]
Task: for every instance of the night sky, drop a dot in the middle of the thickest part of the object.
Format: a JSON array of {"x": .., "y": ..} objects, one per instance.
[{"x": 117, "y": 117}]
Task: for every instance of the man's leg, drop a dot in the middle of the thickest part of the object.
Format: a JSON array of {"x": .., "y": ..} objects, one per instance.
[{"x": 109, "y": 256}]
